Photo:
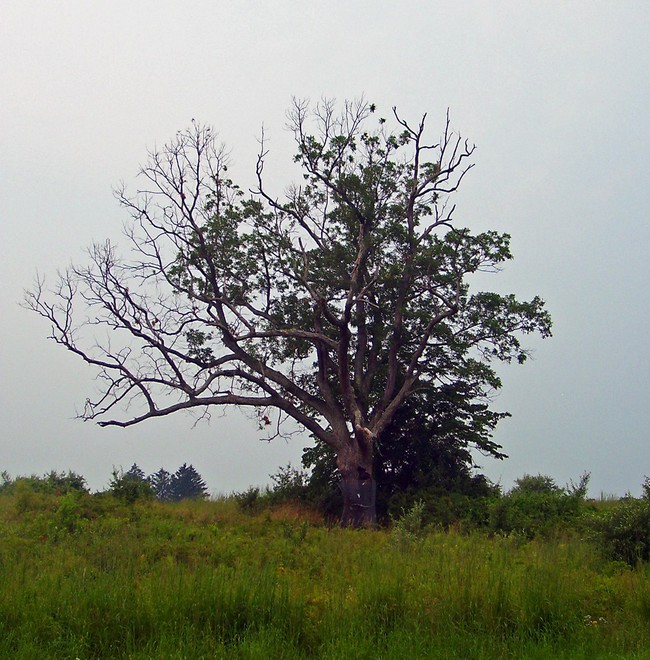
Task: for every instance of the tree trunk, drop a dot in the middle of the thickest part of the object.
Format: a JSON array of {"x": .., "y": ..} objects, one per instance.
[{"x": 358, "y": 486}]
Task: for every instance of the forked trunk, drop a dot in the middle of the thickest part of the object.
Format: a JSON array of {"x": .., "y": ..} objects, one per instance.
[{"x": 357, "y": 483}]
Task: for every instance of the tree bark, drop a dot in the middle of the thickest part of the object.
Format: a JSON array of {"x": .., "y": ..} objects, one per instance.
[{"x": 354, "y": 460}]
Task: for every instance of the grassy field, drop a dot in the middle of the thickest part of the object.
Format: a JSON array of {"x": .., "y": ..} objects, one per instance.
[{"x": 89, "y": 577}]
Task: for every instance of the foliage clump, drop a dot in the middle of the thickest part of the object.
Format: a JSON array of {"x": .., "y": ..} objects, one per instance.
[
  {"x": 622, "y": 531},
  {"x": 409, "y": 526},
  {"x": 536, "y": 505},
  {"x": 289, "y": 485},
  {"x": 52, "y": 482},
  {"x": 131, "y": 485},
  {"x": 432, "y": 474}
]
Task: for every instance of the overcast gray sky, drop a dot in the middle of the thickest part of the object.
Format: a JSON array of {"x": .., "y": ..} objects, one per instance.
[{"x": 554, "y": 94}]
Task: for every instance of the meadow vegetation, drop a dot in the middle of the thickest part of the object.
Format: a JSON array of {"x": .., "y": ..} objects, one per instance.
[{"x": 539, "y": 572}]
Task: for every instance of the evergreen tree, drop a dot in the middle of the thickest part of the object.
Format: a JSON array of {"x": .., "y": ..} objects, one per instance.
[
  {"x": 135, "y": 473},
  {"x": 161, "y": 484},
  {"x": 187, "y": 483}
]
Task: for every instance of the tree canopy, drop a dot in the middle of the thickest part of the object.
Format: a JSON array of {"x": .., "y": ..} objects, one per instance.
[{"x": 330, "y": 304}]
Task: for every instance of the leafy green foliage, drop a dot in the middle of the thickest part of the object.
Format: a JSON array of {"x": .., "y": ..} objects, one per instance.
[
  {"x": 68, "y": 518},
  {"x": 535, "y": 484},
  {"x": 131, "y": 485},
  {"x": 249, "y": 499},
  {"x": 289, "y": 483},
  {"x": 537, "y": 506},
  {"x": 622, "y": 531},
  {"x": 408, "y": 527},
  {"x": 52, "y": 482},
  {"x": 290, "y": 486}
]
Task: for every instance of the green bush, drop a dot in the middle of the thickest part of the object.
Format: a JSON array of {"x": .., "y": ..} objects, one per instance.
[
  {"x": 68, "y": 518},
  {"x": 295, "y": 485},
  {"x": 445, "y": 509},
  {"x": 289, "y": 484},
  {"x": 52, "y": 483},
  {"x": 409, "y": 526},
  {"x": 130, "y": 486},
  {"x": 538, "y": 483},
  {"x": 251, "y": 499},
  {"x": 536, "y": 506},
  {"x": 622, "y": 532}
]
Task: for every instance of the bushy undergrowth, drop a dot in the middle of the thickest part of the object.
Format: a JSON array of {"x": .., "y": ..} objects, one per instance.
[
  {"x": 622, "y": 530},
  {"x": 53, "y": 482},
  {"x": 537, "y": 506},
  {"x": 91, "y": 576}
]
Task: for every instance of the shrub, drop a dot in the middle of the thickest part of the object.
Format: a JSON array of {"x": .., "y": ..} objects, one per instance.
[
  {"x": 538, "y": 483},
  {"x": 309, "y": 491},
  {"x": 249, "y": 500},
  {"x": 409, "y": 526},
  {"x": 68, "y": 518},
  {"x": 131, "y": 485},
  {"x": 446, "y": 508},
  {"x": 53, "y": 483},
  {"x": 289, "y": 484},
  {"x": 622, "y": 532},
  {"x": 537, "y": 506}
]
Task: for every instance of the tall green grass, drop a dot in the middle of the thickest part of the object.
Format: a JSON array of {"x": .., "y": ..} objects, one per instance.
[{"x": 87, "y": 577}]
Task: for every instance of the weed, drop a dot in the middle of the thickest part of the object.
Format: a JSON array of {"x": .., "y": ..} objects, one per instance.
[{"x": 409, "y": 527}]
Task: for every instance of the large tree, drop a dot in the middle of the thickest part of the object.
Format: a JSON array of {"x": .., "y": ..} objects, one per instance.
[{"x": 328, "y": 304}]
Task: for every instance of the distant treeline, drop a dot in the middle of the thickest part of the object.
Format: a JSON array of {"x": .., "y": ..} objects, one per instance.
[{"x": 131, "y": 485}]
